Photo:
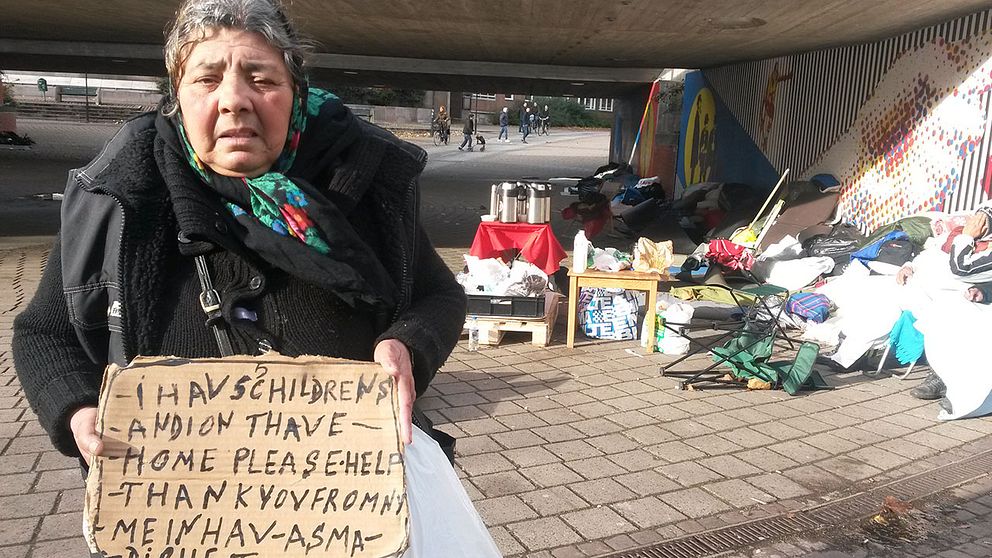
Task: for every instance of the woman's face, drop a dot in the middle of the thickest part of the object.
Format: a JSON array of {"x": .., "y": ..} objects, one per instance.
[{"x": 236, "y": 96}]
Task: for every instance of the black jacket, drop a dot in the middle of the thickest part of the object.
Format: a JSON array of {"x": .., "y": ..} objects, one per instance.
[
  {"x": 117, "y": 280},
  {"x": 504, "y": 119},
  {"x": 468, "y": 126}
]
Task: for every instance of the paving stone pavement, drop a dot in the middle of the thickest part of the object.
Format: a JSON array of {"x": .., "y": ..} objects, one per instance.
[{"x": 569, "y": 452}]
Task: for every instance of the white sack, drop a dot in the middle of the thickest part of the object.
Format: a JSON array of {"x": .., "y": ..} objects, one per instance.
[
  {"x": 443, "y": 521},
  {"x": 676, "y": 317},
  {"x": 793, "y": 275}
]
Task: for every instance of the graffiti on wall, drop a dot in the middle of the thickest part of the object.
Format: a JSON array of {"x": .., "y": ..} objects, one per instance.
[
  {"x": 700, "y": 142},
  {"x": 646, "y": 133},
  {"x": 768, "y": 105}
]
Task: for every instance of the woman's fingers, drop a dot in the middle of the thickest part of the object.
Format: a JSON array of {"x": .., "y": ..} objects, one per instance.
[
  {"x": 83, "y": 426},
  {"x": 407, "y": 394},
  {"x": 395, "y": 360}
]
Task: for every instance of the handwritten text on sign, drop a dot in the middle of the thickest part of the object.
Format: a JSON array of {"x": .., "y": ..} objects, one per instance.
[{"x": 242, "y": 457}]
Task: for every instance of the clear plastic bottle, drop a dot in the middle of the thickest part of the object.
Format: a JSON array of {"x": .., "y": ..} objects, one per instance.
[
  {"x": 580, "y": 252},
  {"x": 473, "y": 334}
]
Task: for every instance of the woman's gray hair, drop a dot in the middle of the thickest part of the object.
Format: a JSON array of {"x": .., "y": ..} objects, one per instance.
[{"x": 198, "y": 19}]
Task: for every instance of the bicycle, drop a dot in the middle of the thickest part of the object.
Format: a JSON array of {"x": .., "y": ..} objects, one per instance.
[
  {"x": 543, "y": 127},
  {"x": 440, "y": 134}
]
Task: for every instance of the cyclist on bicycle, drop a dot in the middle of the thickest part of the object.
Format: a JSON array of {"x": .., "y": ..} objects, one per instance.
[
  {"x": 443, "y": 122},
  {"x": 544, "y": 119}
]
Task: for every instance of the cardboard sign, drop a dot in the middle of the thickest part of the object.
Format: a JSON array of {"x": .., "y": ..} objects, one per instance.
[{"x": 247, "y": 456}]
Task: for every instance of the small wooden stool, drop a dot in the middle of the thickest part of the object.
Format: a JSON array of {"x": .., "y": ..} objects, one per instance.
[{"x": 634, "y": 280}]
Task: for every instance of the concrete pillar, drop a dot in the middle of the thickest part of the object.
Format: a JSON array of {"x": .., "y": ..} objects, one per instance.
[
  {"x": 8, "y": 120},
  {"x": 627, "y": 112},
  {"x": 455, "y": 104},
  {"x": 435, "y": 99}
]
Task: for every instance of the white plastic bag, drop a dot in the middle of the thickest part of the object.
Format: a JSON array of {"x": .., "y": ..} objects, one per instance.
[
  {"x": 483, "y": 275},
  {"x": 676, "y": 317},
  {"x": 443, "y": 521}
]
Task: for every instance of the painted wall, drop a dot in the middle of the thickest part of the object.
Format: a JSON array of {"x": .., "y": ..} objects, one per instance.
[{"x": 904, "y": 123}]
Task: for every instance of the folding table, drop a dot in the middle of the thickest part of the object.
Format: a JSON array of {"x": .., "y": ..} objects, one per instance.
[{"x": 634, "y": 280}]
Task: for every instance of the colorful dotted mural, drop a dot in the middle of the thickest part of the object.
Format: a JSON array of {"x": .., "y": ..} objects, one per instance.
[
  {"x": 903, "y": 123},
  {"x": 906, "y": 150}
]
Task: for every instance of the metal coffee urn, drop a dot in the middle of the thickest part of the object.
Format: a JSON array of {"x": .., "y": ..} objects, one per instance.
[
  {"x": 494, "y": 193},
  {"x": 508, "y": 202},
  {"x": 522, "y": 202},
  {"x": 538, "y": 203}
]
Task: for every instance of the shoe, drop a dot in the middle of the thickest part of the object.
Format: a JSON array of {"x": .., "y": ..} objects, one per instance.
[
  {"x": 945, "y": 404},
  {"x": 460, "y": 149},
  {"x": 932, "y": 387},
  {"x": 523, "y": 141}
]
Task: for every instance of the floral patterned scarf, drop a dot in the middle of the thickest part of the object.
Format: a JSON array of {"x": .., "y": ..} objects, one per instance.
[{"x": 288, "y": 216}]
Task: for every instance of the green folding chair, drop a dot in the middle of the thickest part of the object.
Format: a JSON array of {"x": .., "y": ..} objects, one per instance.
[{"x": 743, "y": 343}]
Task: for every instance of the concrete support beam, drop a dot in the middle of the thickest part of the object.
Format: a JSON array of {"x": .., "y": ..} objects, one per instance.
[
  {"x": 579, "y": 74},
  {"x": 627, "y": 112},
  {"x": 344, "y": 69}
]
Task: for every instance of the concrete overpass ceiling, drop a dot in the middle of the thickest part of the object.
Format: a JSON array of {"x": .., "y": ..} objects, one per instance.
[{"x": 524, "y": 46}]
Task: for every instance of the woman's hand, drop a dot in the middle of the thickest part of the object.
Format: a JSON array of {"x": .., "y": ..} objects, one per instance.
[
  {"x": 977, "y": 226},
  {"x": 903, "y": 275},
  {"x": 83, "y": 426},
  {"x": 394, "y": 357}
]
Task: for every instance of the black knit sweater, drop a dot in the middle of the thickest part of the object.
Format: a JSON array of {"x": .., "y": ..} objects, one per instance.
[{"x": 263, "y": 305}]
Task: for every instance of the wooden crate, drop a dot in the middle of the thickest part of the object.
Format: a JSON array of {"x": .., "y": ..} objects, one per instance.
[{"x": 492, "y": 328}]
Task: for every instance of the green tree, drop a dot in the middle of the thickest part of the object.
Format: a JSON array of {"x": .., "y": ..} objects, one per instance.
[
  {"x": 564, "y": 113},
  {"x": 378, "y": 96}
]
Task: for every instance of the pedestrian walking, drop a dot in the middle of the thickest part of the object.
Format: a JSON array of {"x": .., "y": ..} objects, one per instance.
[
  {"x": 468, "y": 128},
  {"x": 525, "y": 125},
  {"x": 504, "y": 122},
  {"x": 523, "y": 117}
]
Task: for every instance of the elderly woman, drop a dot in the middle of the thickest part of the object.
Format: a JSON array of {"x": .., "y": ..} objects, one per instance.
[{"x": 249, "y": 213}]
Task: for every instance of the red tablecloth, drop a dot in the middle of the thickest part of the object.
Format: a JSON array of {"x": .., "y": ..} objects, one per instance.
[{"x": 537, "y": 244}]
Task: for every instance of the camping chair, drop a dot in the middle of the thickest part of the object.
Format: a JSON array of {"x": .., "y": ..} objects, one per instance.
[{"x": 745, "y": 342}]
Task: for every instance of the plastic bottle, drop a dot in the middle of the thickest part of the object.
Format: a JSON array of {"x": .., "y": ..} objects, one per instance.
[
  {"x": 580, "y": 252},
  {"x": 473, "y": 334}
]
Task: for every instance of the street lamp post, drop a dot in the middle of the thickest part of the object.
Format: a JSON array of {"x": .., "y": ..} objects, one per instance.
[{"x": 86, "y": 94}]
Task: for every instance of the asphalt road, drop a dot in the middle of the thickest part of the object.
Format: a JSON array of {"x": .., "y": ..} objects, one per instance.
[{"x": 455, "y": 184}]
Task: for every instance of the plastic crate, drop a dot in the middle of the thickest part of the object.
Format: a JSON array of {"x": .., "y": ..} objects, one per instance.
[{"x": 516, "y": 306}]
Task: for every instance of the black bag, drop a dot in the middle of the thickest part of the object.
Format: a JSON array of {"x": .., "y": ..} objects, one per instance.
[
  {"x": 842, "y": 241},
  {"x": 588, "y": 187},
  {"x": 896, "y": 252}
]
